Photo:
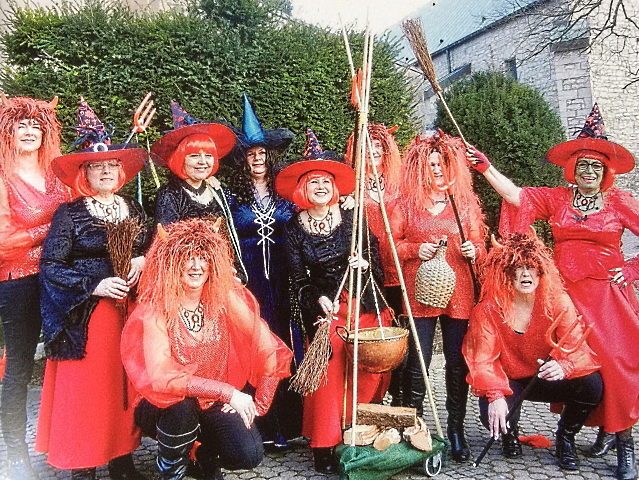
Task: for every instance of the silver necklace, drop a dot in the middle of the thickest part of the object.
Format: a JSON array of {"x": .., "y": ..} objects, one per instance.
[{"x": 110, "y": 212}]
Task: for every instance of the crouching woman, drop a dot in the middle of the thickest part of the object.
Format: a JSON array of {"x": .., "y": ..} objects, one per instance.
[
  {"x": 522, "y": 299},
  {"x": 192, "y": 345}
]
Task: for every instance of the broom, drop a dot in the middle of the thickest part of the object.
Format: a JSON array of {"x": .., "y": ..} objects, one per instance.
[
  {"x": 313, "y": 371},
  {"x": 414, "y": 31}
]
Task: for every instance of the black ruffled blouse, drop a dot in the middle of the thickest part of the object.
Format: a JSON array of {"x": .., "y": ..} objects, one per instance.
[
  {"x": 74, "y": 261},
  {"x": 317, "y": 265}
]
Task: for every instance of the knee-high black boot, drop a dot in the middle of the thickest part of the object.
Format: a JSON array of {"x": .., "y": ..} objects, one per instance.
[
  {"x": 626, "y": 461},
  {"x": 13, "y": 433},
  {"x": 413, "y": 390},
  {"x": 456, "y": 398},
  {"x": 603, "y": 443},
  {"x": 173, "y": 453},
  {"x": 570, "y": 423}
]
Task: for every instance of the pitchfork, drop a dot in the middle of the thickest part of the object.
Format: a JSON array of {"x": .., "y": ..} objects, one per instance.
[
  {"x": 142, "y": 116},
  {"x": 557, "y": 347}
]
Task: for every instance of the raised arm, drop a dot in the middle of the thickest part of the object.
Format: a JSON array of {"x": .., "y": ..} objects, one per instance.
[{"x": 502, "y": 184}]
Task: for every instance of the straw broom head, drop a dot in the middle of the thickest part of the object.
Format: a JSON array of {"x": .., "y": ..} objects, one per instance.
[{"x": 414, "y": 32}]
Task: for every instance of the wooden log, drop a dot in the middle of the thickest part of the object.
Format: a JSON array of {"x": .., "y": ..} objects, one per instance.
[
  {"x": 386, "y": 416},
  {"x": 419, "y": 437},
  {"x": 386, "y": 439},
  {"x": 364, "y": 435}
]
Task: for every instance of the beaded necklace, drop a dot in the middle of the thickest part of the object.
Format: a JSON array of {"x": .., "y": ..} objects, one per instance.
[
  {"x": 193, "y": 319},
  {"x": 320, "y": 226},
  {"x": 108, "y": 212},
  {"x": 586, "y": 203}
]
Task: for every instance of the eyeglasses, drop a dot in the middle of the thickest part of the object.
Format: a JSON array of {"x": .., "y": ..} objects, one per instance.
[
  {"x": 582, "y": 166},
  {"x": 109, "y": 165}
]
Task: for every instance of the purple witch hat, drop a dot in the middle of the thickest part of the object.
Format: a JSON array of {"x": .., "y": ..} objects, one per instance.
[
  {"x": 594, "y": 126},
  {"x": 90, "y": 129},
  {"x": 181, "y": 117}
]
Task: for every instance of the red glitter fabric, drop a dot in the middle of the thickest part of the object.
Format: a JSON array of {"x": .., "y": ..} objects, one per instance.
[
  {"x": 376, "y": 224},
  {"x": 586, "y": 248},
  {"x": 25, "y": 216},
  {"x": 167, "y": 363},
  {"x": 495, "y": 353},
  {"x": 411, "y": 229}
]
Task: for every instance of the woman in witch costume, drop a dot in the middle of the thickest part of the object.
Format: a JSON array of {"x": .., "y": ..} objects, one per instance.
[
  {"x": 192, "y": 151},
  {"x": 522, "y": 298},
  {"x": 259, "y": 215},
  {"x": 84, "y": 421},
  {"x": 588, "y": 220},
  {"x": 192, "y": 345},
  {"x": 422, "y": 216},
  {"x": 318, "y": 242},
  {"x": 29, "y": 195},
  {"x": 388, "y": 163}
]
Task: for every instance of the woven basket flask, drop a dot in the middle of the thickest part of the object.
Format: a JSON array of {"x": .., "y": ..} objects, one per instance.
[{"x": 435, "y": 279}]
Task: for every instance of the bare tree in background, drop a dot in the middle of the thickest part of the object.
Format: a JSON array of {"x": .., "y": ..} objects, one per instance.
[{"x": 609, "y": 27}]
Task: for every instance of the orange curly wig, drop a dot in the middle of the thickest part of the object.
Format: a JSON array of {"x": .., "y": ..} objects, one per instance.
[
  {"x": 161, "y": 285},
  {"x": 391, "y": 163},
  {"x": 15, "y": 109},
  {"x": 498, "y": 271}
]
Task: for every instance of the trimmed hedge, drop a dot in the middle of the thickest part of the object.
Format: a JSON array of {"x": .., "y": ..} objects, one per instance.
[
  {"x": 513, "y": 125},
  {"x": 204, "y": 55}
]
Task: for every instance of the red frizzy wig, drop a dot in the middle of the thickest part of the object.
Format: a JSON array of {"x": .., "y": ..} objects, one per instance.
[
  {"x": 391, "y": 162},
  {"x": 15, "y": 109},
  {"x": 81, "y": 187},
  {"x": 514, "y": 251},
  {"x": 417, "y": 177},
  {"x": 161, "y": 283},
  {"x": 188, "y": 145},
  {"x": 300, "y": 197}
]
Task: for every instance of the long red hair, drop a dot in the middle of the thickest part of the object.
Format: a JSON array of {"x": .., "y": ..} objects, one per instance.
[
  {"x": 161, "y": 284},
  {"x": 15, "y": 109},
  {"x": 498, "y": 272},
  {"x": 188, "y": 145},
  {"x": 390, "y": 165}
]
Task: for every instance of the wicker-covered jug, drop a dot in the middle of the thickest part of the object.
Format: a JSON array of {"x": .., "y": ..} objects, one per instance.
[{"x": 435, "y": 279}]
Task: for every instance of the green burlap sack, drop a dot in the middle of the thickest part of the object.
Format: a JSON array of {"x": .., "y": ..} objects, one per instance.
[{"x": 366, "y": 463}]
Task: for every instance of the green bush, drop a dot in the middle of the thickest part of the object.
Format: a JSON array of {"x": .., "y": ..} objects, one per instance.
[
  {"x": 513, "y": 125},
  {"x": 204, "y": 55}
]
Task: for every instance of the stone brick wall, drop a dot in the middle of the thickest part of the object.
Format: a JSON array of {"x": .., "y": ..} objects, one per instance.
[{"x": 570, "y": 77}]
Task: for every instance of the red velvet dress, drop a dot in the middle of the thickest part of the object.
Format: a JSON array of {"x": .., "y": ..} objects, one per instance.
[
  {"x": 496, "y": 353},
  {"x": 411, "y": 229},
  {"x": 586, "y": 248}
]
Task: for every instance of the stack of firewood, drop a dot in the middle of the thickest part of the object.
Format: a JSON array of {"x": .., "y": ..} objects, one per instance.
[{"x": 382, "y": 426}]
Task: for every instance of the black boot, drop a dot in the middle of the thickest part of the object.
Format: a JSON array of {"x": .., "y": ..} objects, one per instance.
[
  {"x": 173, "y": 453},
  {"x": 324, "y": 461},
  {"x": 413, "y": 390},
  {"x": 456, "y": 398},
  {"x": 570, "y": 423},
  {"x": 626, "y": 461},
  {"x": 122, "y": 468},
  {"x": 13, "y": 433},
  {"x": 83, "y": 474},
  {"x": 510, "y": 445},
  {"x": 20, "y": 467},
  {"x": 603, "y": 444}
]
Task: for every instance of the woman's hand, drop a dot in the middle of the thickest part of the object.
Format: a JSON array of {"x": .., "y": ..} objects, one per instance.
[
  {"x": 427, "y": 251},
  {"x": 244, "y": 405},
  {"x": 550, "y": 371},
  {"x": 347, "y": 202},
  {"x": 112, "y": 287},
  {"x": 618, "y": 277},
  {"x": 497, "y": 412},
  {"x": 137, "y": 265},
  {"x": 328, "y": 306},
  {"x": 476, "y": 159},
  {"x": 355, "y": 262},
  {"x": 468, "y": 250}
]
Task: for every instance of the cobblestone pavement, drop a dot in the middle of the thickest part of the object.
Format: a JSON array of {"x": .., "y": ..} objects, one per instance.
[{"x": 296, "y": 462}]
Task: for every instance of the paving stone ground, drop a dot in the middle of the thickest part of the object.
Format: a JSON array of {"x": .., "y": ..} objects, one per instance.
[{"x": 296, "y": 462}]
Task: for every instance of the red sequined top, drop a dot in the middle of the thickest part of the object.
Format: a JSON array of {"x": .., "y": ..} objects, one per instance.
[
  {"x": 411, "y": 229},
  {"x": 376, "y": 224},
  {"x": 166, "y": 362},
  {"x": 495, "y": 353},
  {"x": 25, "y": 217}
]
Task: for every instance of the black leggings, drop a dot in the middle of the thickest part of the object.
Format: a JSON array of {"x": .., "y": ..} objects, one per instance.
[
  {"x": 225, "y": 440},
  {"x": 584, "y": 390}
]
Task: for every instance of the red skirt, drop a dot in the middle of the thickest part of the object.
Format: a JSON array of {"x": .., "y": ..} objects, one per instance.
[
  {"x": 322, "y": 418},
  {"x": 82, "y": 422},
  {"x": 614, "y": 316}
]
